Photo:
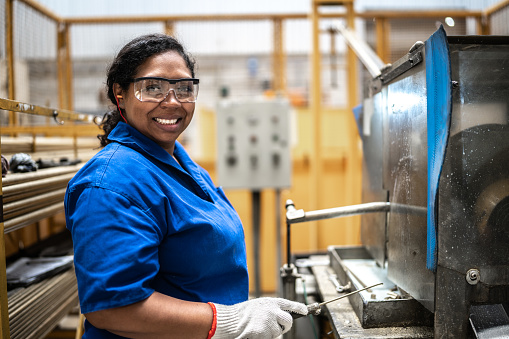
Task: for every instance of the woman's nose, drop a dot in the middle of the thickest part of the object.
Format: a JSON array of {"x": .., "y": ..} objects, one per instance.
[{"x": 171, "y": 99}]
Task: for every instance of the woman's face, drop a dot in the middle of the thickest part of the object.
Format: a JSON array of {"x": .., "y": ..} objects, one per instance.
[{"x": 162, "y": 122}]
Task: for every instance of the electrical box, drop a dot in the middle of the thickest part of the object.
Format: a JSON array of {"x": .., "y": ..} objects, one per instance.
[{"x": 253, "y": 144}]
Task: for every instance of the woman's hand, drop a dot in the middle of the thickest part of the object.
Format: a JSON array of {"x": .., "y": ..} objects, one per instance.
[{"x": 262, "y": 318}]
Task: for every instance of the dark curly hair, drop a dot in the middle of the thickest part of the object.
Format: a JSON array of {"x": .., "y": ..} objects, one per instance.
[{"x": 125, "y": 65}]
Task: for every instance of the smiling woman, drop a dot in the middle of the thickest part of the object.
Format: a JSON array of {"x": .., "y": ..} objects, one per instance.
[
  {"x": 158, "y": 249},
  {"x": 140, "y": 66},
  {"x": 152, "y": 106}
]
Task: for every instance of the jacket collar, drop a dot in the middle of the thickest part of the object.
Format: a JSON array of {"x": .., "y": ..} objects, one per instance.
[{"x": 129, "y": 136}]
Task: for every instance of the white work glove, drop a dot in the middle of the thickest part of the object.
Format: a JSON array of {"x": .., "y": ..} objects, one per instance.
[{"x": 261, "y": 318}]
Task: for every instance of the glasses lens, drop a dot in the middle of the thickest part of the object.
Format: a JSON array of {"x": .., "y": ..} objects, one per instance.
[
  {"x": 156, "y": 90},
  {"x": 186, "y": 91},
  {"x": 152, "y": 90}
]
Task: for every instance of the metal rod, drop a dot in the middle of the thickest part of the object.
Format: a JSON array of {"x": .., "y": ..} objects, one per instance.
[
  {"x": 348, "y": 294},
  {"x": 297, "y": 216},
  {"x": 20, "y": 222},
  {"x": 290, "y": 208},
  {"x": 42, "y": 199},
  {"x": 315, "y": 308},
  {"x": 365, "y": 54},
  {"x": 348, "y": 211},
  {"x": 256, "y": 239},
  {"x": 279, "y": 258},
  {"x": 61, "y": 180},
  {"x": 36, "y": 309},
  {"x": 294, "y": 216}
]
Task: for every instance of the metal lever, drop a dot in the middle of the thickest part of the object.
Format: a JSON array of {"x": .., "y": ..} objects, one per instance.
[{"x": 316, "y": 308}]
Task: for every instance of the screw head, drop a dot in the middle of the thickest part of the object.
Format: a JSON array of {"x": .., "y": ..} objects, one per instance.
[{"x": 473, "y": 276}]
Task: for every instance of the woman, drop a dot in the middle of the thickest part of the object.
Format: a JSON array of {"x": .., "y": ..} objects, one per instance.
[{"x": 159, "y": 250}]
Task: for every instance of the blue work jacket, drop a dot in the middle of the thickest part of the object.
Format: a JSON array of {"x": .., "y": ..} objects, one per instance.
[{"x": 143, "y": 222}]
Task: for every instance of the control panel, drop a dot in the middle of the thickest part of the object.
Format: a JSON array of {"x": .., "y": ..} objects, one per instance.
[{"x": 253, "y": 144}]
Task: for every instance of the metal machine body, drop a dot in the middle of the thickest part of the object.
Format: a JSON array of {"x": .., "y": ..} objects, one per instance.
[
  {"x": 468, "y": 263},
  {"x": 435, "y": 138}
]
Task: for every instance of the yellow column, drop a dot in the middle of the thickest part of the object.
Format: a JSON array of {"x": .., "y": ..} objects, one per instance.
[
  {"x": 64, "y": 67},
  {"x": 382, "y": 39},
  {"x": 68, "y": 70},
  {"x": 351, "y": 60},
  {"x": 169, "y": 28},
  {"x": 315, "y": 109},
  {"x": 9, "y": 42},
  {"x": 483, "y": 24},
  {"x": 278, "y": 59},
  {"x": 354, "y": 160}
]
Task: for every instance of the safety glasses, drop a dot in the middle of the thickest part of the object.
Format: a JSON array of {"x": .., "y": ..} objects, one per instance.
[{"x": 154, "y": 89}]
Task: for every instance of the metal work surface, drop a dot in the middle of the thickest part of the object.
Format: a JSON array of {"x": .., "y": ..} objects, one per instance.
[
  {"x": 490, "y": 321},
  {"x": 383, "y": 306},
  {"x": 343, "y": 318}
]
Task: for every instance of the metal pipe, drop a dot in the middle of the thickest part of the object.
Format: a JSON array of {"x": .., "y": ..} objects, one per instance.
[
  {"x": 297, "y": 216},
  {"x": 58, "y": 181},
  {"x": 365, "y": 54},
  {"x": 294, "y": 216},
  {"x": 256, "y": 212},
  {"x": 38, "y": 200},
  {"x": 15, "y": 178},
  {"x": 36, "y": 309},
  {"x": 279, "y": 259},
  {"x": 20, "y": 222}
]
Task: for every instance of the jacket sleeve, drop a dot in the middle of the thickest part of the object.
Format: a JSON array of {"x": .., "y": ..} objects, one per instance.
[{"x": 115, "y": 248}]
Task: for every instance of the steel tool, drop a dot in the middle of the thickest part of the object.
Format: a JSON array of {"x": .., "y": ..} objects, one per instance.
[{"x": 316, "y": 308}]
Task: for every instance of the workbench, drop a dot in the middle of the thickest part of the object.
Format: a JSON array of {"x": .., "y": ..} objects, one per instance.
[{"x": 342, "y": 318}]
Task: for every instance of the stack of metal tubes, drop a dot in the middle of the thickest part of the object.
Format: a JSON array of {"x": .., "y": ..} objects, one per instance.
[
  {"x": 34, "y": 311},
  {"x": 31, "y": 197}
]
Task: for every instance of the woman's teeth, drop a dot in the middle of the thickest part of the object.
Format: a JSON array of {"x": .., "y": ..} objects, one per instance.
[{"x": 166, "y": 121}]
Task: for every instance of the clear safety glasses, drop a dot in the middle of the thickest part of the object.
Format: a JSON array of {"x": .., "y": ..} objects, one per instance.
[{"x": 153, "y": 89}]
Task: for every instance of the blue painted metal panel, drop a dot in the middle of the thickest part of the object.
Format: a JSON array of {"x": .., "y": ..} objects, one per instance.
[{"x": 439, "y": 101}]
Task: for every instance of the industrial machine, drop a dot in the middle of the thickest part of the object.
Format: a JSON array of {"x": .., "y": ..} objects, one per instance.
[{"x": 435, "y": 212}]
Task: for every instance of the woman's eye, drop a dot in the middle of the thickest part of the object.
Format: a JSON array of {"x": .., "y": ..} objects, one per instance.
[
  {"x": 185, "y": 89},
  {"x": 153, "y": 88}
]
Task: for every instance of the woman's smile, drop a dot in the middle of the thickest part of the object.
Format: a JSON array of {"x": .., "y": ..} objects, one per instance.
[{"x": 166, "y": 121}]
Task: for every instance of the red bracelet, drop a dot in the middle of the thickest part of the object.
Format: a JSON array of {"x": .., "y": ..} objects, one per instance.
[{"x": 214, "y": 321}]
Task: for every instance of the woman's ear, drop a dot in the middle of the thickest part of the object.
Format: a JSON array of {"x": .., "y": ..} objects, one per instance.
[{"x": 118, "y": 92}]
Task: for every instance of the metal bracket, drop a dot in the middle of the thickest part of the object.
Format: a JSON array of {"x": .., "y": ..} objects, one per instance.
[
  {"x": 55, "y": 116},
  {"x": 97, "y": 120},
  {"x": 410, "y": 61}
]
